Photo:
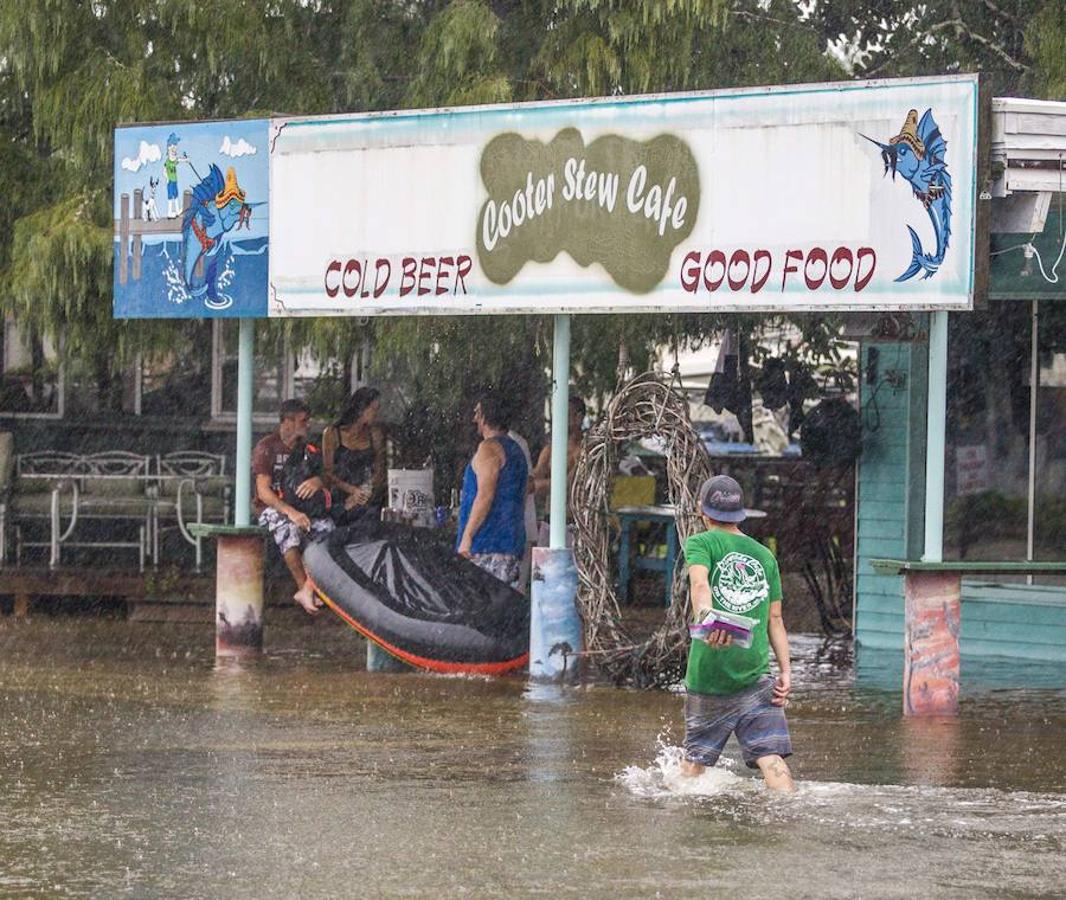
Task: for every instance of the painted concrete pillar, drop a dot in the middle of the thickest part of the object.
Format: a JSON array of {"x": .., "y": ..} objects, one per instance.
[
  {"x": 239, "y": 591},
  {"x": 932, "y": 620},
  {"x": 555, "y": 632}
]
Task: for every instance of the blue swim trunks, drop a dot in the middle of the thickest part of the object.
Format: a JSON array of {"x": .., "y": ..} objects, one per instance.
[{"x": 760, "y": 727}]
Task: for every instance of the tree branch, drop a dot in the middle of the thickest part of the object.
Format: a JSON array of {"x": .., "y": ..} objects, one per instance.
[
  {"x": 995, "y": 48},
  {"x": 1000, "y": 12},
  {"x": 921, "y": 36},
  {"x": 962, "y": 29},
  {"x": 788, "y": 23}
]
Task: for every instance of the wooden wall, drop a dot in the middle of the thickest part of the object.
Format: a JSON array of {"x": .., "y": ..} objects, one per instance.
[{"x": 891, "y": 483}]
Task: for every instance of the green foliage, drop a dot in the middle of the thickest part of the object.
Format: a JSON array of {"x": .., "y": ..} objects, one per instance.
[
  {"x": 603, "y": 47},
  {"x": 59, "y": 251},
  {"x": 1018, "y": 44},
  {"x": 70, "y": 72},
  {"x": 459, "y": 59},
  {"x": 1045, "y": 41},
  {"x": 606, "y": 47}
]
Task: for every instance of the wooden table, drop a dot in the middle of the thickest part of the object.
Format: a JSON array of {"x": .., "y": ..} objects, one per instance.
[{"x": 627, "y": 517}]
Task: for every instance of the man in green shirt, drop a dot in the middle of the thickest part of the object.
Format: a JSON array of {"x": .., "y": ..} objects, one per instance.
[{"x": 729, "y": 688}]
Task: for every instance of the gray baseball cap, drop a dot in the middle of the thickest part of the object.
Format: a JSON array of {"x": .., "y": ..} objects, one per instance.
[{"x": 722, "y": 499}]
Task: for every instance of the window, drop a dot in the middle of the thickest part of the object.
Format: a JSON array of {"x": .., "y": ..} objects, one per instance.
[
  {"x": 1049, "y": 435},
  {"x": 176, "y": 382},
  {"x": 271, "y": 381},
  {"x": 278, "y": 376},
  {"x": 987, "y": 460},
  {"x": 1005, "y": 484}
]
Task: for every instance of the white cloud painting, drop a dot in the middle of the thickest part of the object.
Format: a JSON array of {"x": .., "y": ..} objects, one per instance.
[
  {"x": 146, "y": 153},
  {"x": 239, "y": 148}
]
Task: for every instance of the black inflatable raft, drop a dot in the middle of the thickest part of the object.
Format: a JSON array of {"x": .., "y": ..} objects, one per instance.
[{"x": 407, "y": 591}]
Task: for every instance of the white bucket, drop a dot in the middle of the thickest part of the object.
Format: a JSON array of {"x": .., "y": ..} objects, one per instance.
[{"x": 411, "y": 491}]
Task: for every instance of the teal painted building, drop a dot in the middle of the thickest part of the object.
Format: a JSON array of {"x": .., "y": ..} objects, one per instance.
[{"x": 1004, "y": 455}]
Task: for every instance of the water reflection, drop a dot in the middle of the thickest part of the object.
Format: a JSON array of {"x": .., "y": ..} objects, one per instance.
[
  {"x": 931, "y": 749},
  {"x": 147, "y": 769}
]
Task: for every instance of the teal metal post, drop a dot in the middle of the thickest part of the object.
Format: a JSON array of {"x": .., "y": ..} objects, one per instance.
[
  {"x": 560, "y": 429},
  {"x": 555, "y": 633},
  {"x": 245, "y": 366},
  {"x": 936, "y": 434}
]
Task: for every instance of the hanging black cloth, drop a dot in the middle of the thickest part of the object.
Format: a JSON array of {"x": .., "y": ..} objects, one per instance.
[
  {"x": 772, "y": 384},
  {"x": 831, "y": 434},
  {"x": 801, "y": 387},
  {"x": 722, "y": 390},
  {"x": 730, "y": 385}
]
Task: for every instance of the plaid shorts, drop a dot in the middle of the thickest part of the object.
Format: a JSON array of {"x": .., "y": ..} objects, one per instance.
[
  {"x": 504, "y": 566},
  {"x": 760, "y": 727},
  {"x": 287, "y": 535}
]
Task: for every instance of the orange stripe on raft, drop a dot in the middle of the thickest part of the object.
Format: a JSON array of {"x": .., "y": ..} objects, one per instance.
[{"x": 434, "y": 665}]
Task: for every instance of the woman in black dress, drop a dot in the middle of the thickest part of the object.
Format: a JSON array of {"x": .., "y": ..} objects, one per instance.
[{"x": 354, "y": 456}]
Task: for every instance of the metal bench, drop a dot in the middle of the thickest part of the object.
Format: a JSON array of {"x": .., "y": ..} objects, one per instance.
[
  {"x": 67, "y": 487},
  {"x": 191, "y": 488}
]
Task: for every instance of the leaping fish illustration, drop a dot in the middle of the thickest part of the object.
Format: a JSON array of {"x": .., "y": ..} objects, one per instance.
[{"x": 918, "y": 153}]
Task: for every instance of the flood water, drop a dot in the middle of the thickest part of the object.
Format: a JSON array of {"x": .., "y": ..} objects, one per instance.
[{"x": 131, "y": 766}]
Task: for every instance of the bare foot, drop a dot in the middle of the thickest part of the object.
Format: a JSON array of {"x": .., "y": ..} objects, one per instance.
[
  {"x": 691, "y": 769},
  {"x": 307, "y": 599}
]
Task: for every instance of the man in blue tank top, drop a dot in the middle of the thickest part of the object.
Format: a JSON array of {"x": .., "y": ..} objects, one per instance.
[{"x": 492, "y": 509}]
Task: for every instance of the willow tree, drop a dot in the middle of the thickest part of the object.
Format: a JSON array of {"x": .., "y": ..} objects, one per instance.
[{"x": 69, "y": 72}]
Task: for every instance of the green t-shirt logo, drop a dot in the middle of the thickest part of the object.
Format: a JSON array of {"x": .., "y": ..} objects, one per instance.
[{"x": 738, "y": 583}]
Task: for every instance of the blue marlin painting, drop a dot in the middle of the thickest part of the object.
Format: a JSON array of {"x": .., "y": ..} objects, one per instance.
[
  {"x": 918, "y": 153},
  {"x": 218, "y": 206}
]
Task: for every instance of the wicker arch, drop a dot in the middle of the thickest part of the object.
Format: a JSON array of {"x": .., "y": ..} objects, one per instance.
[{"x": 642, "y": 408}]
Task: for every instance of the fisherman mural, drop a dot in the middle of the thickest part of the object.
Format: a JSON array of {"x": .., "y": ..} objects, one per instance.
[
  {"x": 218, "y": 206},
  {"x": 170, "y": 169},
  {"x": 209, "y": 255},
  {"x": 918, "y": 153}
]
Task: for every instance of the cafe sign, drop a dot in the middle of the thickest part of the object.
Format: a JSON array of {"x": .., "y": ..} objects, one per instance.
[{"x": 851, "y": 196}]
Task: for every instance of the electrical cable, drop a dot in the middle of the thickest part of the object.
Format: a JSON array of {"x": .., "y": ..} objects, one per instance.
[{"x": 1030, "y": 249}]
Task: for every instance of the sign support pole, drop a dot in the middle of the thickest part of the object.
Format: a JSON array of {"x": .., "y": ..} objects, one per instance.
[
  {"x": 245, "y": 366},
  {"x": 555, "y": 630},
  {"x": 239, "y": 567},
  {"x": 560, "y": 429},
  {"x": 936, "y": 437}
]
